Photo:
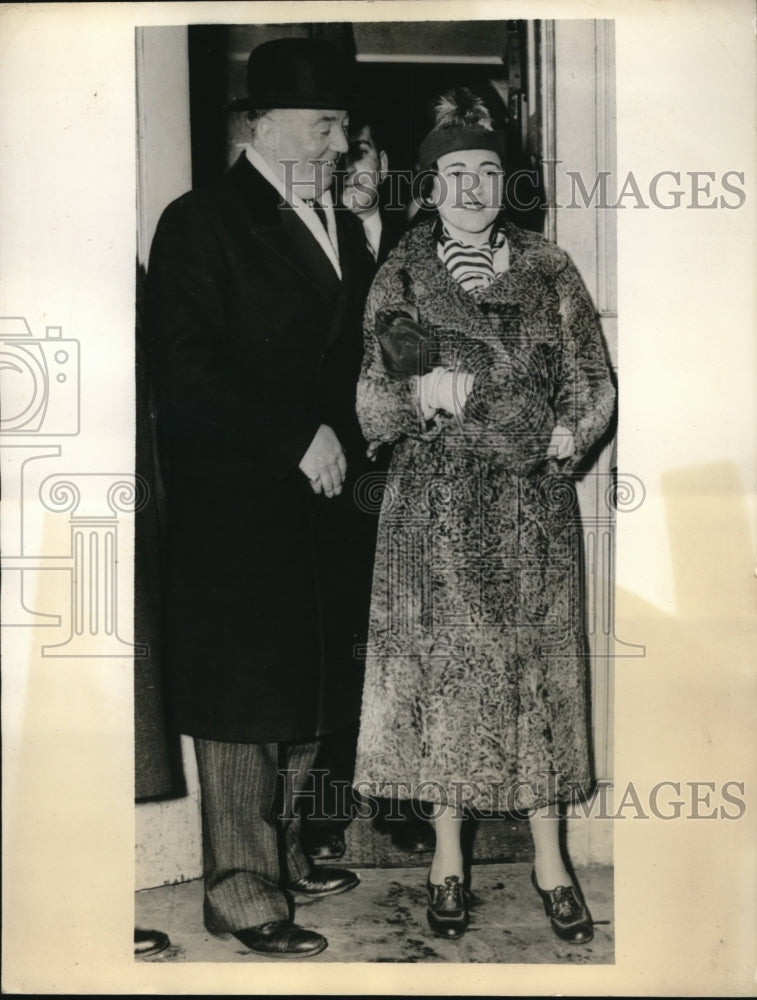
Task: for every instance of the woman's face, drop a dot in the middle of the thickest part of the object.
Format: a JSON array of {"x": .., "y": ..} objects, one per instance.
[{"x": 467, "y": 190}]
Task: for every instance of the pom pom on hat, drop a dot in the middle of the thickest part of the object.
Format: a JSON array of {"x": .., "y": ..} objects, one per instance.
[{"x": 461, "y": 107}]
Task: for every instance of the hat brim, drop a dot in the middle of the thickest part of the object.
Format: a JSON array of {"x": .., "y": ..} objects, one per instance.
[
  {"x": 455, "y": 138},
  {"x": 327, "y": 102}
]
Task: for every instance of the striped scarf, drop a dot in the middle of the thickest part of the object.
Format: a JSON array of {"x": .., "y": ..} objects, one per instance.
[{"x": 471, "y": 267}]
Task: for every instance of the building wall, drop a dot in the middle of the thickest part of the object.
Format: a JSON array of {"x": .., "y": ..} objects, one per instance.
[{"x": 578, "y": 114}]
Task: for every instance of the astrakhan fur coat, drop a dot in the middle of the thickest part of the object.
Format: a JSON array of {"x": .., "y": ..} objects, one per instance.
[{"x": 476, "y": 675}]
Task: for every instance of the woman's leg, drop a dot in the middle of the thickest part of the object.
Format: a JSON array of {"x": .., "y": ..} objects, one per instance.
[
  {"x": 447, "y": 910},
  {"x": 548, "y": 860},
  {"x": 448, "y": 855},
  {"x": 563, "y": 901}
]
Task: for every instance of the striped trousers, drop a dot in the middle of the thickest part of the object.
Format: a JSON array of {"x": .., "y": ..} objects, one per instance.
[{"x": 250, "y": 830}]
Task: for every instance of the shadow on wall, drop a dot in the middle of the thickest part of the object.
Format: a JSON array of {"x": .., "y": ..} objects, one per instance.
[{"x": 157, "y": 754}]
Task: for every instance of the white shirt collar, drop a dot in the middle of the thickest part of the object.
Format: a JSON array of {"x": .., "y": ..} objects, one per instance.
[
  {"x": 372, "y": 226},
  {"x": 303, "y": 210}
]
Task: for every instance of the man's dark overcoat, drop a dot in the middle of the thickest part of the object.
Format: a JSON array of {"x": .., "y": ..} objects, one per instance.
[{"x": 256, "y": 342}]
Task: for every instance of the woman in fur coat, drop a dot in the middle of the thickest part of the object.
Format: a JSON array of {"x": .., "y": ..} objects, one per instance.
[{"x": 486, "y": 368}]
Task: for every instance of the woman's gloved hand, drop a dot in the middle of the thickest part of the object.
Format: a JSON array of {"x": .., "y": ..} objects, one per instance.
[
  {"x": 444, "y": 389},
  {"x": 562, "y": 445}
]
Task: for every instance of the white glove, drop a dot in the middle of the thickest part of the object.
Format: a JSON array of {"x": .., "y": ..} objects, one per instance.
[
  {"x": 444, "y": 389},
  {"x": 563, "y": 444}
]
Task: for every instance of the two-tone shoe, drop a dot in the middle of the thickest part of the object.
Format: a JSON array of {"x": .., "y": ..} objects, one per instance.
[
  {"x": 567, "y": 912},
  {"x": 447, "y": 911}
]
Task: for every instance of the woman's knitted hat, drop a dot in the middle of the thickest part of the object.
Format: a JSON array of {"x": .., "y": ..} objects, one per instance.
[{"x": 462, "y": 122}]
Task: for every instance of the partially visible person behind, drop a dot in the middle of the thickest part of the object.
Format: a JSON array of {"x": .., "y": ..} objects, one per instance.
[{"x": 366, "y": 171}]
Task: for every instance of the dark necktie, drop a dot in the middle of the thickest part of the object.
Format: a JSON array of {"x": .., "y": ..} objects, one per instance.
[{"x": 319, "y": 211}]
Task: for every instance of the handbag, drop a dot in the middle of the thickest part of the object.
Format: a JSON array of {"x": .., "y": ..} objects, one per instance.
[{"x": 406, "y": 347}]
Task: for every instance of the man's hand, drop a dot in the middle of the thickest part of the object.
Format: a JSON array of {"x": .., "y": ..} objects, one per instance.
[
  {"x": 324, "y": 463},
  {"x": 562, "y": 444}
]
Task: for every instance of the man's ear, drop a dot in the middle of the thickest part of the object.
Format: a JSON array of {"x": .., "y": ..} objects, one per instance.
[
  {"x": 267, "y": 132},
  {"x": 383, "y": 165}
]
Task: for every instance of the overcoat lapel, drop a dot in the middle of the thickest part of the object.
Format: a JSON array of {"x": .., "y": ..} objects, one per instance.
[
  {"x": 282, "y": 231},
  {"x": 352, "y": 258},
  {"x": 308, "y": 253}
]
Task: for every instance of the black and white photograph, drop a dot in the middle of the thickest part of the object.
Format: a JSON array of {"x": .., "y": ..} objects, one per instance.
[
  {"x": 379, "y": 514},
  {"x": 378, "y": 380}
]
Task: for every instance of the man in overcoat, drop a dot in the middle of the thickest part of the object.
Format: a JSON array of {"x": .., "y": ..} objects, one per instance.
[{"x": 256, "y": 286}]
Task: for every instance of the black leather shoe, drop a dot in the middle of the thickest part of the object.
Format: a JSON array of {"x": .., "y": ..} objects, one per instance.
[
  {"x": 415, "y": 837},
  {"x": 329, "y": 848},
  {"x": 567, "y": 912},
  {"x": 149, "y": 942},
  {"x": 325, "y": 882},
  {"x": 282, "y": 939},
  {"x": 447, "y": 907}
]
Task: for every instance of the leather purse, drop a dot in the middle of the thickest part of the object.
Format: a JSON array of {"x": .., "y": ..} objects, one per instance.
[{"x": 405, "y": 346}]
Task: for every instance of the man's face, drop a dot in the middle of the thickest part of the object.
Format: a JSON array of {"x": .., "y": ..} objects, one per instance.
[
  {"x": 365, "y": 167},
  {"x": 307, "y": 144}
]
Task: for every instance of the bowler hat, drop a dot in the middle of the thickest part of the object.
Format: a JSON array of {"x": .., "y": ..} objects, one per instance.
[{"x": 295, "y": 73}]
